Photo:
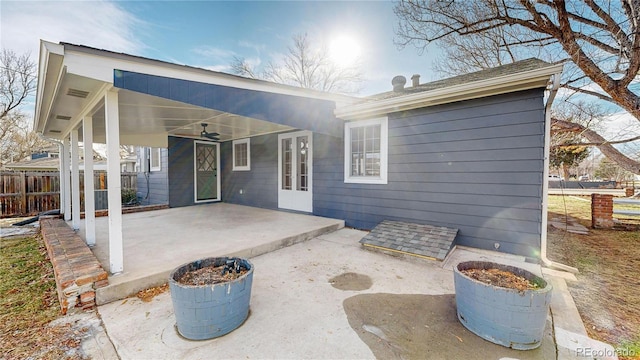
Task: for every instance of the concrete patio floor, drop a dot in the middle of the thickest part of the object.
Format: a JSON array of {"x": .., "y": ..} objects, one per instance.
[
  {"x": 156, "y": 242},
  {"x": 297, "y": 313}
]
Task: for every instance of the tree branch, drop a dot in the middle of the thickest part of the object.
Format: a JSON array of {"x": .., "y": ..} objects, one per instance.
[
  {"x": 589, "y": 92},
  {"x": 601, "y": 143}
]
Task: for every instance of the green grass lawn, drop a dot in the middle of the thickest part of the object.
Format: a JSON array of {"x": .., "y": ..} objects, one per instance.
[{"x": 580, "y": 207}]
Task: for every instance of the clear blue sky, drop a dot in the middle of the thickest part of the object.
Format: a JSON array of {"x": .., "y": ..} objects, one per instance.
[{"x": 209, "y": 34}]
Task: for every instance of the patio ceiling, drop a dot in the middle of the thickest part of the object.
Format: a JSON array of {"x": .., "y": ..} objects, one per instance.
[
  {"x": 142, "y": 115},
  {"x": 144, "y": 118}
]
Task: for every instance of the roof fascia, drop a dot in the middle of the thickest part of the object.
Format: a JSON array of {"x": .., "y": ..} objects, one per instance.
[
  {"x": 499, "y": 85},
  {"x": 50, "y": 67},
  {"x": 99, "y": 64}
]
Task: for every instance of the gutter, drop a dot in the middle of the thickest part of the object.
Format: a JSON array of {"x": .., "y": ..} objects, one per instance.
[{"x": 545, "y": 181}]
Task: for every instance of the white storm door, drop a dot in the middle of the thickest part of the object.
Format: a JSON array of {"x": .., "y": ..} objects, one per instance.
[
  {"x": 295, "y": 164},
  {"x": 206, "y": 165}
]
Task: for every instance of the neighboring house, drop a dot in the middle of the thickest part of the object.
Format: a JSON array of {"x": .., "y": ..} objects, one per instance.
[
  {"x": 42, "y": 160},
  {"x": 50, "y": 161},
  {"x": 466, "y": 152}
]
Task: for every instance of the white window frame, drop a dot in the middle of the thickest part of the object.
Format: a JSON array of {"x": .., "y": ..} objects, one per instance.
[
  {"x": 384, "y": 143},
  {"x": 157, "y": 152},
  {"x": 233, "y": 150}
]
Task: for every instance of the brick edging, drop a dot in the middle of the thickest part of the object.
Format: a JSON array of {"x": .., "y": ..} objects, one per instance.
[
  {"x": 77, "y": 271},
  {"x": 130, "y": 210}
]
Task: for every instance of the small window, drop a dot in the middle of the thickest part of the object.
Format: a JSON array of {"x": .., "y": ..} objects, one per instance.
[
  {"x": 241, "y": 155},
  {"x": 365, "y": 151},
  {"x": 154, "y": 161}
]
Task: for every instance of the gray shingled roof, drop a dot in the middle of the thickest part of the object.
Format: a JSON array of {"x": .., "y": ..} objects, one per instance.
[{"x": 509, "y": 69}]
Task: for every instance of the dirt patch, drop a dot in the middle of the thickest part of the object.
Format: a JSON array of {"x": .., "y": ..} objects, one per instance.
[
  {"x": 500, "y": 278},
  {"x": 209, "y": 275},
  {"x": 29, "y": 305},
  {"x": 417, "y": 326},
  {"x": 351, "y": 281},
  {"x": 606, "y": 290},
  {"x": 148, "y": 294}
]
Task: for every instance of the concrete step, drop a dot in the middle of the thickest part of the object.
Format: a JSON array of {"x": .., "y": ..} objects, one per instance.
[{"x": 122, "y": 286}]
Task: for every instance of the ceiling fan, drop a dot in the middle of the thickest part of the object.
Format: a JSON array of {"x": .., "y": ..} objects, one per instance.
[{"x": 212, "y": 136}]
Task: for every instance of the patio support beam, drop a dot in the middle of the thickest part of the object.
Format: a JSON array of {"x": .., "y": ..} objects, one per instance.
[
  {"x": 114, "y": 186},
  {"x": 65, "y": 197},
  {"x": 75, "y": 181},
  {"x": 89, "y": 188},
  {"x": 61, "y": 176}
]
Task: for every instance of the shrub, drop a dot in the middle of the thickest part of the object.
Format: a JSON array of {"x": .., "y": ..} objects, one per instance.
[{"x": 129, "y": 197}]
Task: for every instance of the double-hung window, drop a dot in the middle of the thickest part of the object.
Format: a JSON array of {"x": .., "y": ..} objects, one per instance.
[
  {"x": 365, "y": 151},
  {"x": 241, "y": 155}
]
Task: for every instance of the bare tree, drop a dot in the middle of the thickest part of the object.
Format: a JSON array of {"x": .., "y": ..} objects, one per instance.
[
  {"x": 306, "y": 67},
  {"x": 600, "y": 41},
  {"x": 17, "y": 83}
]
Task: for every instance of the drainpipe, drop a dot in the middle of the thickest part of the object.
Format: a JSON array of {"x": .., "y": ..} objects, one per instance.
[{"x": 545, "y": 181}]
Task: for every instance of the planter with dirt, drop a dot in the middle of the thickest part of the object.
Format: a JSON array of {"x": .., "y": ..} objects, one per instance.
[
  {"x": 503, "y": 304},
  {"x": 211, "y": 296}
]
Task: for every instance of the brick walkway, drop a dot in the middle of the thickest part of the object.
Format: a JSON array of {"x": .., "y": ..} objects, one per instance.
[
  {"x": 411, "y": 239},
  {"x": 77, "y": 271}
]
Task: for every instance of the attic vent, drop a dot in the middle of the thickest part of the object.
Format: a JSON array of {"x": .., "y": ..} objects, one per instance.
[
  {"x": 78, "y": 93},
  {"x": 55, "y": 131},
  {"x": 63, "y": 117},
  {"x": 398, "y": 83}
]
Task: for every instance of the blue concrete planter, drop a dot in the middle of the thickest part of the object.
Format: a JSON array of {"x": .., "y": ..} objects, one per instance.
[
  {"x": 208, "y": 311},
  {"x": 508, "y": 317}
]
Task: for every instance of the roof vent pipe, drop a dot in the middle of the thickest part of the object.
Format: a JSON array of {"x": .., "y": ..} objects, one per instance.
[
  {"x": 398, "y": 83},
  {"x": 415, "y": 80}
]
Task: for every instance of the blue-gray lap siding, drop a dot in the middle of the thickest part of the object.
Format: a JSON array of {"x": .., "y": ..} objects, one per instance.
[
  {"x": 260, "y": 184},
  {"x": 153, "y": 187},
  {"x": 474, "y": 165}
]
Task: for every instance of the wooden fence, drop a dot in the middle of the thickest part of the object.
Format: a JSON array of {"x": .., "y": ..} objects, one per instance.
[{"x": 32, "y": 192}]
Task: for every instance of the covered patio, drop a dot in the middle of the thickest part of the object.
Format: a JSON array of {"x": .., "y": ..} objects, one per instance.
[
  {"x": 158, "y": 241},
  {"x": 91, "y": 95}
]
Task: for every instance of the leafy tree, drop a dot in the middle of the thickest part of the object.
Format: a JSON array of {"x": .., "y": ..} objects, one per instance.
[
  {"x": 568, "y": 156},
  {"x": 599, "y": 39},
  {"x": 17, "y": 83},
  {"x": 305, "y": 66}
]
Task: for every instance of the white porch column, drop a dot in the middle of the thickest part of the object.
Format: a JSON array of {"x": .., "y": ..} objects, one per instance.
[
  {"x": 65, "y": 179},
  {"x": 89, "y": 188},
  {"x": 61, "y": 172},
  {"x": 75, "y": 181},
  {"x": 114, "y": 186}
]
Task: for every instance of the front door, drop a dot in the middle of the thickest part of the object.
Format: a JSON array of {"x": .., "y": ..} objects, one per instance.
[
  {"x": 295, "y": 171},
  {"x": 206, "y": 164}
]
